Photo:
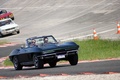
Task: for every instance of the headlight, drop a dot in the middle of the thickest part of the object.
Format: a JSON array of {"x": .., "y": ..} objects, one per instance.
[
  {"x": 3, "y": 30},
  {"x": 11, "y": 15}
]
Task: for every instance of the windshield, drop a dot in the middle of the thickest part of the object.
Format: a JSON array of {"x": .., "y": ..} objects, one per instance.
[
  {"x": 2, "y": 23},
  {"x": 41, "y": 40}
]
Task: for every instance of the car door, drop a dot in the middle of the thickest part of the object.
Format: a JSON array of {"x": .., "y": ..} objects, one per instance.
[
  {"x": 23, "y": 55},
  {"x": 28, "y": 52}
]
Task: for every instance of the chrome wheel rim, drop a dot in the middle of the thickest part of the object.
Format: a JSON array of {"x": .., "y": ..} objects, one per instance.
[{"x": 15, "y": 62}]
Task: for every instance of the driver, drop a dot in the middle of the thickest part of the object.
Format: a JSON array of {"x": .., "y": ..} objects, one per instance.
[
  {"x": 45, "y": 40},
  {"x": 33, "y": 43}
]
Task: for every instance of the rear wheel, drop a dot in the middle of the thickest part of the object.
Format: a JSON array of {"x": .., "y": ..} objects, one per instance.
[
  {"x": 16, "y": 63},
  {"x": 52, "y": 64},
  {"x": 38, "y": 63},
  {"x": 73, "y": 59}
]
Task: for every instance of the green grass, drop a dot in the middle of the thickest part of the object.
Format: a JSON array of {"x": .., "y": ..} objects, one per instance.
[
  {"x": 94, "y": 49},
  {"x": 3, "y": 42},
  {"x": 7, "y": 62},
  {"x": 98, "y": 49}
]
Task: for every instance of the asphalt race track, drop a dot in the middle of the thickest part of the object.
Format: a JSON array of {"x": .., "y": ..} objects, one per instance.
[
  {"x": 103, "y": 67},
  {"x": 5, "y": 51},
  {"x": 64, "y": 19}
]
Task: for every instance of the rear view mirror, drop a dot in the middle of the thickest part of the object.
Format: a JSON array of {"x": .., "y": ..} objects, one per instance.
[
  {"x": 23, "y": 46},
  {"x": 59, "y": 41}
]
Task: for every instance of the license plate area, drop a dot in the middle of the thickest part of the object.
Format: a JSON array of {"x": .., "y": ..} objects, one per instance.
[{"x": 60, "y": 56}]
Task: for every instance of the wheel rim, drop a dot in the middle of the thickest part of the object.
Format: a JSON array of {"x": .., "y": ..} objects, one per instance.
[{"x": 15, "y": 62}]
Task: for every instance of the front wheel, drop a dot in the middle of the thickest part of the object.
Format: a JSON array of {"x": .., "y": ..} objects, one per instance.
[
  {"x": 16, "y": 63},
  {"x": 12, "y": 18},
  {"x": 73, "y": 59},
  {"x": 18, "y": 31},
  {"x": 1, "y": 35},
  {"x": 38, "y": 63},
  {"x": 52, "y": 64}
]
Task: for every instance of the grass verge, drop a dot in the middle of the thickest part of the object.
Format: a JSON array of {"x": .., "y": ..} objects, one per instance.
[
  {"x": 7, "y": 62},
  {"x": 3, "y": 42},
  {"x": 94, "y": 50},
  {"x": 98, "y": 49}
]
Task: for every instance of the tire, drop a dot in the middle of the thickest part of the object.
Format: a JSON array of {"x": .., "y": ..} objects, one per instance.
[
  {"x": 38, "y": 63},
  {"x": 52, "y": 64},
  {"x": 1, "y": 35},
  {"x": 18, "y": 32},
  {"x": 16, "y": 63},
  {"x": 13, "y": 18},
  {"x": 73, "y": 60}
]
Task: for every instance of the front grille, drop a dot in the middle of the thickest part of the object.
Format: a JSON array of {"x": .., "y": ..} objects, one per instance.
[
  {"x": 10, "y": 29},
  {"x": 48, "y": 57},
  {"x": 60, "y": 51},
  {"x": 72, "y": 51}
]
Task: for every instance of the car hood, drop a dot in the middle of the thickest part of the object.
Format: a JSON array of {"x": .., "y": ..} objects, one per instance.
[
  {"x": 58, "y": 46},
  {"x": 7, "y": 26}
]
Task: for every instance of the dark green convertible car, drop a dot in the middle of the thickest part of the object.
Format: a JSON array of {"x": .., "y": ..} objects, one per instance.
[{"x": 41, "y": 50}]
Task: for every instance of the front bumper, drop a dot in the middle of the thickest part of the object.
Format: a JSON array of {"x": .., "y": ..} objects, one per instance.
[
  {"x": 9, "y": 31},
  {"x": 58, "y": 55}
]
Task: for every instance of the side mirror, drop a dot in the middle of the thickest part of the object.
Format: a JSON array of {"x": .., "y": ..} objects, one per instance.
[{"x": 22, "y": 46}]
